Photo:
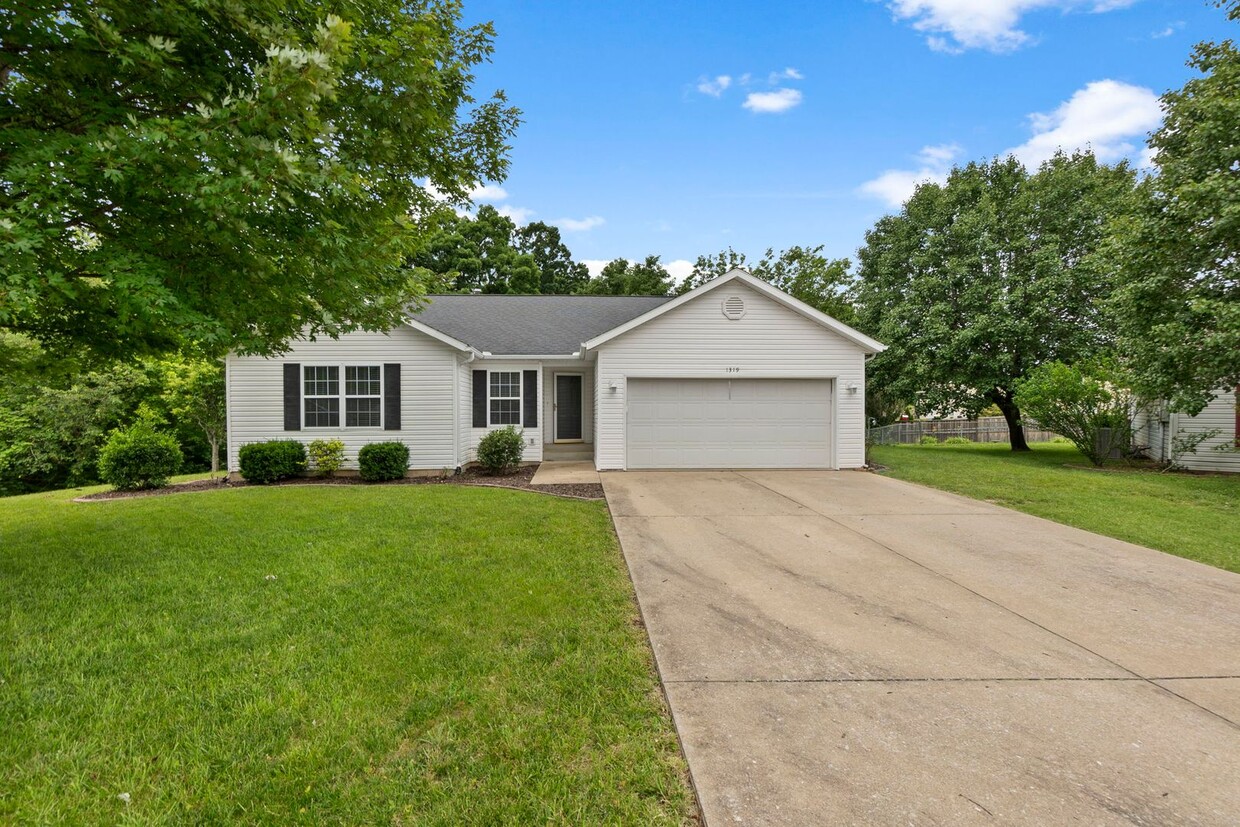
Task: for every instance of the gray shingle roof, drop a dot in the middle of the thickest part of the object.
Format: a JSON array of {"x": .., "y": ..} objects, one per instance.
[{"x": 531, "y": 325}]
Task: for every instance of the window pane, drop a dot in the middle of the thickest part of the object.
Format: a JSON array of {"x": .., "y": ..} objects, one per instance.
[
  {"x": 363, "y": 381},
  {"x": 506, "y": 384},
  {"x": 505, "y": 412},
  {"x": 322, "y": 413},
  {"x": 362, "y": 413},
  {"x": 322, "y": 380}
]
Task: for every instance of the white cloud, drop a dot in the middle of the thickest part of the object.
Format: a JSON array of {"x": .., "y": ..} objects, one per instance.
[
  {"x": 1106, "y": 116},
  {"x": 487, "y": 193},
  {"x": 595, "y": 265},
  {"x": 714, "y": 87},
  {"x": 579, "y": 225},
  {"x": 894, "y": 186},
  {"x": 780, "y": 100},
  {"x": 1168, "y": 30},
  {"x": 956, "y": 25},
  {"x": 679, "y": 269},
  {"x": 519, "y": 215},
  {"x": 786, "y": 74}
]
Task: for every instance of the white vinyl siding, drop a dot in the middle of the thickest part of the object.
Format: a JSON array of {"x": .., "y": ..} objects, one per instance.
[
  {"x": 1219, "y": 453},
  {"x": 428, "y": 371},
  {"x": 697, "y": 341}
]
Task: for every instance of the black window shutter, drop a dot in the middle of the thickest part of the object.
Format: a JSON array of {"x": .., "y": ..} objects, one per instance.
[
  {"x": 529, "y": 400},
  {"x": 391, "y": 396},
  {"x": 292, "y": 396},
  {"x": 480, "y": 399}
]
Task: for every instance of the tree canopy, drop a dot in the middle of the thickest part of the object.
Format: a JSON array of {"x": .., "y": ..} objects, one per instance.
[
  {"x": 622, "y": 277},
  {"x": 557, "y": 272},
  {"x": 802, "y": 272},
  {"x": 229, "y": 175},
  {"x": 475, "y": 253},
  {"x": 979, "y": 280},
  {"x": 487, "y": 252},
  {"x": 1177, "y": 302}
]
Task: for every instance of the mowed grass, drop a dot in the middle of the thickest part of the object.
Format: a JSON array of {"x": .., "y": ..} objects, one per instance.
[
  {"x": 326, "y": 655},
  {"x": 1193, "y": 516}
]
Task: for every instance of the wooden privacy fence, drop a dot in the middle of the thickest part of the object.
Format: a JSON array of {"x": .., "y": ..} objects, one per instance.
[{"x": 982, "y": 429}]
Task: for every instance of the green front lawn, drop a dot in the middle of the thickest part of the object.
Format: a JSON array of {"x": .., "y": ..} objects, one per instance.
[
  {"x": 1193, "y": 516},
  {"x": 347, "y": 655}
]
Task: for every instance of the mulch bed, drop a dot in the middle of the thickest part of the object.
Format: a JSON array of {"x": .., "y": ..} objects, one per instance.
[{"x": 520, "y": 479}]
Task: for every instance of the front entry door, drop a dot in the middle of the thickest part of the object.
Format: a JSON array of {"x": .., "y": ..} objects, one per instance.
[{"x": 567, "y": 407}]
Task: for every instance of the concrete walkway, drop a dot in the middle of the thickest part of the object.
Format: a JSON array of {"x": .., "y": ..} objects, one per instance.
[
  {"x": 565, "y": 473},
  {"x": 843, "y": 648}
]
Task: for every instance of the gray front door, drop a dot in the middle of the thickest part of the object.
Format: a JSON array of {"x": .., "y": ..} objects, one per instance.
[{"x": 567, "y": 406}]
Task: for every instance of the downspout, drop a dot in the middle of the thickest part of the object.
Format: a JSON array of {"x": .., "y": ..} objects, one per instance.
[
  {"x": 456, "y": 408},
  {"x": 228, "y": 426}
]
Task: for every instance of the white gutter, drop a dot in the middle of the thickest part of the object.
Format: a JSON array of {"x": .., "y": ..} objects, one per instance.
[{"x": 533, "y": 357}]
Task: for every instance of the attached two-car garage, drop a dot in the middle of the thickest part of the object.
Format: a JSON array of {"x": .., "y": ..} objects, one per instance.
[{"x": 729, "y": 423}]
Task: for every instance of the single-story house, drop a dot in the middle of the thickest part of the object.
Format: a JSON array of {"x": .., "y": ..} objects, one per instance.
[
  {"x": 733, "y": 374},
  {"x": 1156, "y": 429}
]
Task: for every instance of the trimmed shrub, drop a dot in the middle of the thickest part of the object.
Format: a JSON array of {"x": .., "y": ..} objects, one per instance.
[
  {"x": 139, "y": 457},
  {"x": 381, "y": 461},
  {"x": 927, "y": 439},
  {"x": 326, "y": 455},
  {"x": 500, "y": 452},
  {"x": 957, "y": 440},
  {"x": 268, "y": 462}
]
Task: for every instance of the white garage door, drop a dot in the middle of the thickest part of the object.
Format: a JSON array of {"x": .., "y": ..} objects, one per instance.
[{"x": 729, "y": 423}]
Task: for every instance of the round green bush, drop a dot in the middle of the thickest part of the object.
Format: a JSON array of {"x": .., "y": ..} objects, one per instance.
[
  {"x": 928, "y": 440},
  {"x": 500, "y": 452},
  {"x": 268, "y": 462},
  {"x": 139, "y": 457},
  {"x": 381, "y": 461},
  {"x": 957, "y": 440}
]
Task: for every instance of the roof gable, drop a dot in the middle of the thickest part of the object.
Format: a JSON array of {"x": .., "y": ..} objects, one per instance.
[{"x": 796, "y": 305}]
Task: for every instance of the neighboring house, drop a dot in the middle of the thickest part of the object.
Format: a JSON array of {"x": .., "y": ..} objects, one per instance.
[
  {"x": 734, "y": 374},
  {"x": 1157, "y": 428}
]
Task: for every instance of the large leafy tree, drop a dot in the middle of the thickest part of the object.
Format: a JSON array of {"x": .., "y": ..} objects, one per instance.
[
  {"x": 1177, "y": 304},
  {"x": 802, "y": 272},
  {"x": 557, "y": 271},
  {"x": 229, "y": 174},
  {"x": 622, "y": 277},
  {"x": 978, "y": 281}
]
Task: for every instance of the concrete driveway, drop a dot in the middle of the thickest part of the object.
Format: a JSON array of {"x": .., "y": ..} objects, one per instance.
[{"x": 843, "y": 648}]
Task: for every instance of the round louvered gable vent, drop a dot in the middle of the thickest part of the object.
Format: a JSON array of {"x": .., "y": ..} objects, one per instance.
[{"x": 734, "y": 307}]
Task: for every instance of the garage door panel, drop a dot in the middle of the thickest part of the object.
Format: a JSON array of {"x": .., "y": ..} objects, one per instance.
[{"x": 722, "y": 423}]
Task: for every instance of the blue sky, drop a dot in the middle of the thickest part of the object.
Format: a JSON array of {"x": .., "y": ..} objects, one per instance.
[{"x": 683, "y": 128}]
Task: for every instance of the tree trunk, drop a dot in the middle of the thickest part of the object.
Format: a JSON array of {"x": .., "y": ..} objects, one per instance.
[
  {"x": 215, "y": 457},
  {"x": 1011, "y": 414}
]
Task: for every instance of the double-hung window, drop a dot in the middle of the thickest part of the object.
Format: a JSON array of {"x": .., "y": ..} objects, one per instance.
[
  {"x": 360, "y": 395},
  {"x": 505, "y": 397},
  {"x": 322, "y": 396}
]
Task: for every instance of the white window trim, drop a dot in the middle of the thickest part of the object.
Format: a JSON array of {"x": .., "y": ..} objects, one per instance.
[
  {"x": 340, "y": 366},
  {"x": 520, "y": 397}
]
